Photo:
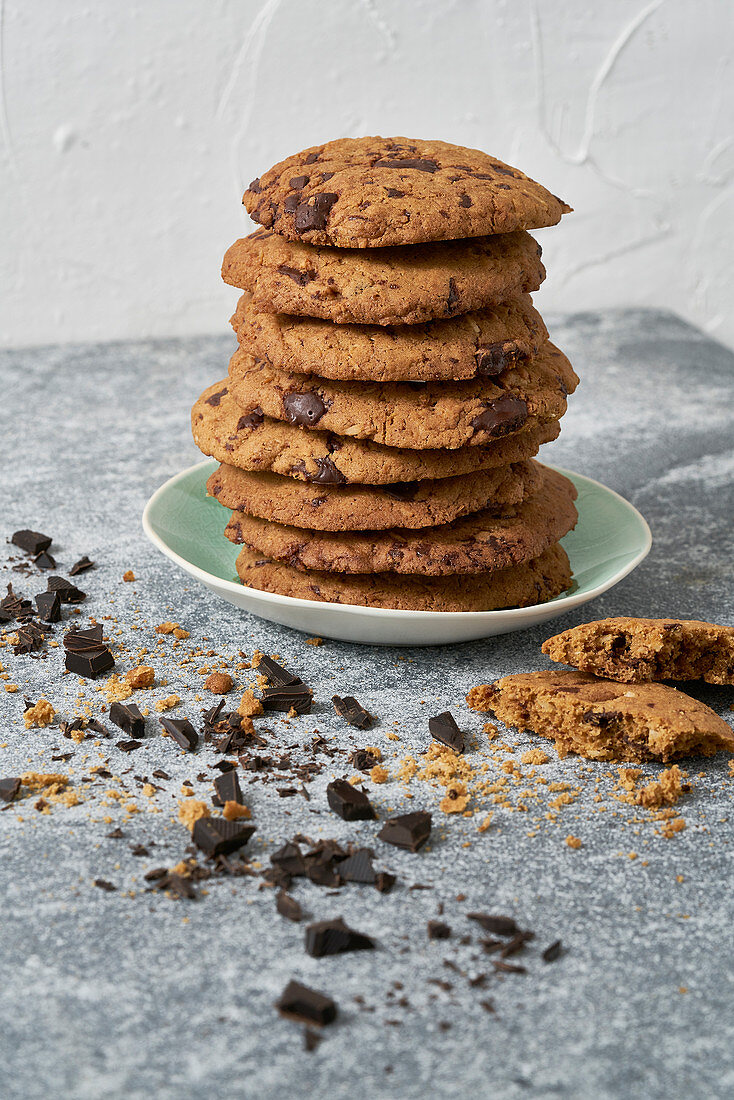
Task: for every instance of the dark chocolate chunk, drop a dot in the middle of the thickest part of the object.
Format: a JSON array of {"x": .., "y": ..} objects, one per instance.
[
  {"x": 227, "y": 786},
  {"x": 311, "y": 1038},
  {"x": 334, "y": 937},
  {"x": 214, "y": 399},
  {"x": 255, "y": 187},
  {"x": 303, "y": 409},
  {"x": 44, "y": 560},
  {"x": 443, "y": 727},
  {"x": 217, "y": 837},
  {"x": 276, "y": 674},
  {"x": 128, "y": 718},
  {"x": 407, "y": 831},
  {"x": 68, "y": 592},
  {"x": 86, "y": 653},
  {"x": 129, "y": 745},
  {"x": 402, "y": 490},
  {"x": 33, "y": 542},
  {"x": 103, "y": 884},
  {"x": 287, "y": 692},
  {"x": 393, "y": 193},
  {"x": 80, "y": 566},
  {"x": 553, "y": 952},
  {"x": 420, "y": 164},
  {"x": 314, "y": 213},
  {"x": 311, "y": 158},
  {"x": 499, "y": 926},
  {"x": 384, "y": 882},
  {"x": 505, "y": 414},
  {"x": 326, "y": 473},
  {"x": 301, "y": 1003},
  {"x": 182, "y": 732},
  {"x": 349, "y": 802},
  {"x": 14, "y": 607},
  {"x": 288, "y": 907},
  {"x": 299, "y": 182},
  {"x": 301, "y": 278},
  {"x": 352, "y": 712},
  {"x": 358, "y": 867},
  {"x": 9, "y": 789},
  {"x": 96, "y": 726},
  {"x": 438, "y": 930},
  {"x": 289, "y": 859},
  {"x": 515, "y": 944},
  {"x": 465, "y": 201},
  {"x": 48, "y": 605},
  {"x": 251, "y": 419},
  {"x": 492, "y": 359},
  {"x": 30, "y": 637},
  {"x": 364, "y": 759}
]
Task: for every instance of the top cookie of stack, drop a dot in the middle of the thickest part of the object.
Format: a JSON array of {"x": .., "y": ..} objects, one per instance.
[{"x": 386, "y": 335}]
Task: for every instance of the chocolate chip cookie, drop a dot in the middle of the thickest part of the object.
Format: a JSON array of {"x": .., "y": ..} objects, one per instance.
[
  {"x": 479, "y": 543},
  {"x": 409, "y": 504},
  {"x": 252, "y": 441},
  {"x": 383, "y": 286},
  {"x": 362, "y": 192},
  {"x": 479, "y": 344},
  {"x": 635, "y": 650},
  {"x": 605, "y": 720},
  {"x": 532, "y": 582},
  {"x": 416, "y": 415}
]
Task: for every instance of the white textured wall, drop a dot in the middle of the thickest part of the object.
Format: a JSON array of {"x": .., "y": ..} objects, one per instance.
[{"x": 129, "y": 130}]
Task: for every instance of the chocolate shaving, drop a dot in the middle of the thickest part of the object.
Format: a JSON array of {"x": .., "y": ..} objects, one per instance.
[
  {"x": 334, "y": 937},
  {"x": 351, "y": 711}
]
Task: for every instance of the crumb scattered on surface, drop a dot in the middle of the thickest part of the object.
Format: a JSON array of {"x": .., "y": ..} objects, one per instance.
[
  {"x": 219, "y": 683},
  {"x": 128, "y": 575},
  {"x": 573, "y": 841},
  {"x": 190, "y": 810},
  {"x": 141, "y": 677},
  {"x": 168, "y": 703},
  {"x": 40, "y": 714},
  {"x": 249, "y": 706}
]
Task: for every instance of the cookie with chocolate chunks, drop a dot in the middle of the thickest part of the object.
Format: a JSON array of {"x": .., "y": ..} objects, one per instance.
[
  {"x": 383, "y": 286},
  {"x": 478, "y": 543},
  {"x": 377, "y": 191},
  {"x": 414, "y": 415},
  {"x": 478, "y": 344},
  {"x": 257, "y": 442},
  {"x": 533, "y": 582}
]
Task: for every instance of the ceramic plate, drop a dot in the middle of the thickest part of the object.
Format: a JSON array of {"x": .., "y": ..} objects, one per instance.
[{"x": 186, "y": 525}]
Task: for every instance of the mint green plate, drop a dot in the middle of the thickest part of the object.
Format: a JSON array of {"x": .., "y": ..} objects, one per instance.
[{"x": 186, "y": 525}]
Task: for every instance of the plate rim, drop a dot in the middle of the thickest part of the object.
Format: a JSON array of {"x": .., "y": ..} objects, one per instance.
[{"x": 559, "y": 603}]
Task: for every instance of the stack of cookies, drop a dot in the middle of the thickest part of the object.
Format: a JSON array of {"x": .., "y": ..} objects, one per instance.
[{"x": 392, "y": 383}]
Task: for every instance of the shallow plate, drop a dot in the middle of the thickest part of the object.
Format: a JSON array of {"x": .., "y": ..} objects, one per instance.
[{"x": 186, "y": 525}]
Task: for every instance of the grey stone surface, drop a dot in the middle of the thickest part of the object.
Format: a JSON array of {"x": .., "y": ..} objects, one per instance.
[{"x": 108, "y": 995}]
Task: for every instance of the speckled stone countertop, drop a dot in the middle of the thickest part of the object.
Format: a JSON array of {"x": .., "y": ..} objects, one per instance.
[{"x": 105, "y": 994}]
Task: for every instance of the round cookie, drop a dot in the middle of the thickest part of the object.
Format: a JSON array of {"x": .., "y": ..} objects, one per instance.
[
  {"x": 253, "y": 441},
  {"x": 383, "y": 286},
  {"x": 361, "y": 192},
  {"x": 479, "y": 543},
  {"x": 416, "y": 415},
  {"x": 532, "y": 582},
  {"x": 372, "y": 508},
  {"x": 478, "y": 344}
]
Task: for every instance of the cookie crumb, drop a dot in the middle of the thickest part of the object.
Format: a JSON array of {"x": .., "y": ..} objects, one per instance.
[
  {"x": 534, "y": 756},
  {"x": 573, "y": 841},
  {"x": 314, "y": 641},
  {"x": 140, "y": 677},
  {"x": 167, "y": 703},
  {"x": 128, "y": 575},
  {"x": 219, "y": 683},
  {"x": 665, "y": 791},
  {"x": 40, "y": 714},
  {"x": 249, "y": 706},
  {"x": 379, "y": 774},
  {"x": 190, "y": 810},
  {"x": 234, "y": 810}
]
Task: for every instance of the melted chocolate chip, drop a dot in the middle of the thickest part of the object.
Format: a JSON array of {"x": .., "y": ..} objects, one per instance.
[
  {"x": 314, "y": 214},
  {"x": 215, "y": 398},
  {"x": 492, "y": 359},
  {"x": 465, "y": 201},
  {"x": 255, "y": 187},
  {"x": 303, "y": 409},
  {"x": 250, "y": 420},
  {"x": 506, "y": 414},
  {"x": 393, "y": 193},
  {"x": 453, "y": 297},
  {"x": 299, "y": 182},
  {"x": 299, "y": 277},
  {"x": 402, "y": 490},
  {"x": 420, "y": 164}
]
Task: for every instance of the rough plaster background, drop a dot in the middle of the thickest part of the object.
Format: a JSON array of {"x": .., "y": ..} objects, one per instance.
[{"x": 128, "y": 132}]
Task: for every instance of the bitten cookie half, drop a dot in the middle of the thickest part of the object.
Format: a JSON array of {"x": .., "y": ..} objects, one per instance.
[
  {"x": 358, "y": 192},
  {"x": 605, "y": 720},
  {"x": 533, "y": 582},
  {"x": 634, "y": 650}
]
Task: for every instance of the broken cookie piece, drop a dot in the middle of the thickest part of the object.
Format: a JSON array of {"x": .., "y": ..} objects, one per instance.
[
  {"x": 635, "y": 650},
  {"x": 605, "y": 720}
]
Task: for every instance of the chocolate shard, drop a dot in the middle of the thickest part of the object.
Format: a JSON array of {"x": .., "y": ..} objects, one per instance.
[
  {"x": 33, "y": 542},
  {"x": 103, "y": 884},
  {"x": 438, "y": 930},
  {"x": 553, "y": 952},
  {"x": 498, "y": 925},
  {"x": 86, "y": 653},
  {"x": 48, "y": 605},
  {"x": 44, "y": 560},
  {"x": 314, "y": 213},
  {"x": 13, "y": 606},
  {"x": 349, "y": 802},
  {"x": 444, "y": 729},
  {"x": 81, "y": 566},
  {"x": 334, "y": 937},
  {"x": 288, "y": 907},
  {"x": 216, "y": 836},
  {"x": 128, "y": 718},
  {"x": 384, "y": 882},
  {"x": 508, "y": 968},
  {"x": 182, "y": 732},
  {"x": 363, "y": 759},
  {"x": 295, "y": 697},
  {"x": 298, "y": 1002},
  {"x": 276, "y": 674},
  {"x": 9, "y": 788},
  {"x": 358, "y": 867},
  {"x": 96, "y": 726},
  {"x": 128, "y": 745},
  {"x": 227, "y": 787},
  {"x": 409, "y": 831},
  {"x": 30, "y": 637},
  {"x": 290, "y": 859},
  {"x": 352, "y": 712},
  {"x": 311, "y": 1039},
  {"x": 68, "y": 592}
]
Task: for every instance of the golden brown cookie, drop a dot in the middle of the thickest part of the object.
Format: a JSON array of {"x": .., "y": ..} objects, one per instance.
[
  {"x": 634, "y": 650},
  {"x": 253, "y": 441},
  {"x": 359, "y": 192},
  {"x": 479, "y": 543},
  {"x": 605, "y": 720},
  {"x": 535, "y": 581},
  {"x": 478, "y": 344},
  {"x": 409, "y": 504},
  {"x": 383, "y": 286},
  {"x": 416, "y": 415}
]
